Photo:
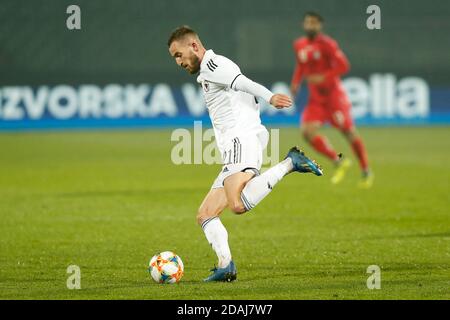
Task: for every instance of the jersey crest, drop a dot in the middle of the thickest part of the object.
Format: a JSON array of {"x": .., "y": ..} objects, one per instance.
[
  {"x": 205, "y": 85},
  {"x": 316, "y": 55}
]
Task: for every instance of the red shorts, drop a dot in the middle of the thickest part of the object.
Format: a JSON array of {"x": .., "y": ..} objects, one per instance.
[{"x": 334, "y": 109}]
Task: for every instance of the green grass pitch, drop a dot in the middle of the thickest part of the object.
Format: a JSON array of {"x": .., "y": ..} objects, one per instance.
[{"x": 109, "y": 200}]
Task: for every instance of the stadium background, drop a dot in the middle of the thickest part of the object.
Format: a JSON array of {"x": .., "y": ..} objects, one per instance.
[{"x": 124, "y": 43}]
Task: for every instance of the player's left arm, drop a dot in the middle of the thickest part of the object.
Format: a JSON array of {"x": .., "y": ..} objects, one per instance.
[
  {"x": 279, "y": 101},
  {"x": 225, "y": 72},
  {"x": 338, "y": 61}
]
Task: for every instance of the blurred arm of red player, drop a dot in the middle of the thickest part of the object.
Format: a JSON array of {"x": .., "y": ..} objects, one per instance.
[
  {"x": 338, "y": 61},
  {"x": 297, "y": 77}
]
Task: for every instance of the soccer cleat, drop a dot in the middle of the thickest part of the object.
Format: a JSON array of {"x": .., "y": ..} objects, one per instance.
[
  {"x": 229, "y": 273},
  {"x": 367, "y": 181},
  {"x": 302, "y": 163},
  {"x": 342, "y": 167}
]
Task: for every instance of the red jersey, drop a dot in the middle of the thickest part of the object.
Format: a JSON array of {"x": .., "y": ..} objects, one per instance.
[{"x": 320, "y": 55}]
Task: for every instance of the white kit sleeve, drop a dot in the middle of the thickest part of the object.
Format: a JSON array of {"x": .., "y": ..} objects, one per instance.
[
  {"x": 220, "y": 70},
  {"x": 242, "y": 83}
]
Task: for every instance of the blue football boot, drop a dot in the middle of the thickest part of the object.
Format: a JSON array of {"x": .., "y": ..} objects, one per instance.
[
  {"x": 228, "y": 273},
  {"x": 302, "y": 163}
]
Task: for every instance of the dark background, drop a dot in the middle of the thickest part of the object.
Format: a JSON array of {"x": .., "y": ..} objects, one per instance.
[{"x": 125, "y": 41}]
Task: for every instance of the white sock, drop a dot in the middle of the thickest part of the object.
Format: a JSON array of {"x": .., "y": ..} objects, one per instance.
[
  {"x": 260, "y": 186},
  {"x": 217, "y": 236}
]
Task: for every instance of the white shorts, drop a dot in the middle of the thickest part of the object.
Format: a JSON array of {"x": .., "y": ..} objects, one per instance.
[{"x": 241, "y": 154}]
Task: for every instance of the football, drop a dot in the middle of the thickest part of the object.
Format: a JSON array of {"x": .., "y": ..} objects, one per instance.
[{"x": 166, "y": 267}]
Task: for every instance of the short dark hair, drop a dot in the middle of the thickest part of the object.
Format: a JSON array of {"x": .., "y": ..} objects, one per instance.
[
  {"x": 313, "y": 14},
  {"x": 180, "y": 33}
]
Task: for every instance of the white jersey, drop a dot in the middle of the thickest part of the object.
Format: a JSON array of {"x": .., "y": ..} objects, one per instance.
[{"x": 233, "y": 113}]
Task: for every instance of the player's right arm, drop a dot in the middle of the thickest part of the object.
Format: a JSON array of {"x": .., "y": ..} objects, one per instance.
[{"x": 297, "y": 77}]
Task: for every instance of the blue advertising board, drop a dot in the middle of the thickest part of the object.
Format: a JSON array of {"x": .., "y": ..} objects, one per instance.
[{"x": 382, "y": 99}]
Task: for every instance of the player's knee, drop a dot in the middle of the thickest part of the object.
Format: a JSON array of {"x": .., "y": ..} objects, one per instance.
[
  {"x": 350, "y": 134},
  {"x": 199, "y": 219},
  {"x": 202, "y": 215},
  {"x": 237, "y": 207}
]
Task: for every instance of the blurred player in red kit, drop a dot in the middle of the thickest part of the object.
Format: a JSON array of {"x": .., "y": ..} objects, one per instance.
[{"x": 320, "y": 62}]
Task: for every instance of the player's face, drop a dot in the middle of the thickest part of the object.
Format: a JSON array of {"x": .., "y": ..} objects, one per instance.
[
  {"x": 312, "y": 26},
  {"x": 184, "y": 53}
]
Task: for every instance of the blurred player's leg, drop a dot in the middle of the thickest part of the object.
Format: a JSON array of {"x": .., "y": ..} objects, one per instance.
[
  {"x": 359, "y": 149},
  {"x": 313, "y": 116},
  {"x": 342, "y": 120},
  {"x": 208, "y": 218},
  {"x": 319, "y": 142}
]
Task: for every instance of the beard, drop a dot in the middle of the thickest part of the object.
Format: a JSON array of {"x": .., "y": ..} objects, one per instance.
[
  {"x": 195, "y": 65},
  {"x": 311, "y": 34}
]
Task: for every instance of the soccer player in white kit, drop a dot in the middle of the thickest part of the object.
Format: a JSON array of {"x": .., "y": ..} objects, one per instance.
[{"x": 232, "y": 103}]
